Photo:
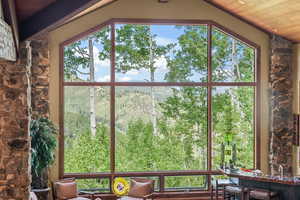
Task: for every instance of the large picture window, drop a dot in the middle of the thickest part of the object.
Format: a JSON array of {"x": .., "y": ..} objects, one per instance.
[{"x": 164, "y": 100}]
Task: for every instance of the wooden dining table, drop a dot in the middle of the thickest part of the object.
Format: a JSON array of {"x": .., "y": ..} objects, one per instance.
[{"x": 288, "y": 188}]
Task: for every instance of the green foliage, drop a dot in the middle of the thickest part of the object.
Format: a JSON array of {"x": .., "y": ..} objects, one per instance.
[
  {"x": 191, "y": 57},
  {"x": 181, "y": 114},
  {"x": 43, "y": 144},
  {"x": 76, "y": 55},
  {"x": 136, "y": 48},
  {"x": 86, "y": 153}
]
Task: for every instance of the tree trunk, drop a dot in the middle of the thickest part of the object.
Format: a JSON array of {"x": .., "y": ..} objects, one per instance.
[
  {"x": 152, "y": 70},
  {"x": 92, "y": 90},
  {"x": 234, "y": 61}
]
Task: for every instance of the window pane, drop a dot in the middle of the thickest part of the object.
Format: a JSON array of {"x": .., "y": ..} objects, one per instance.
[
  {"x": 99, "y": 185},
  {"x": 160, "y": 53},
  {"x": 232, "y": 60},
  {"x": 233, "y": 126},
  {"x": 185, "y": 182},
  {"x": 161, "y": 128},
  {"x": 88, "y": 59},
  {"x": 86, "y": 129}
]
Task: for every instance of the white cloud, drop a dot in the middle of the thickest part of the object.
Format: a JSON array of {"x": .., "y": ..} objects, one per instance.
[
  {"x": 133, "y": 72},
  {"x": 125, "y": 78},
  {"x": 161, "y": 63},
  {"x": 164, "y": 41},
  {"x": 105, "y": 78},
  {"x": 99, "y": 63},
  {"x": 96, "y": 54}
]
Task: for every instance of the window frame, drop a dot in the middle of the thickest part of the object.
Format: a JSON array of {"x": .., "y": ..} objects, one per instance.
[{"x": 112, "y": 83}]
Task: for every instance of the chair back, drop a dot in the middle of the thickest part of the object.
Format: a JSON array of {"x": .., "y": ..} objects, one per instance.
[
  {"x": 64, "y": 189},
  {"x": 140, "y": 187}
]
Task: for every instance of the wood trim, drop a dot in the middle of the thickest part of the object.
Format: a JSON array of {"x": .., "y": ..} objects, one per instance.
[
  {"x": 161, "y": 22},
  {"x": 175, "y": 194},
  {"x": 209, "y": 102},
  {"x": 14, "y": 21},
  {"x": 61, "y": 112},
  {"x": 235, "y": 35},
  {"x": 257, "y": 110},
  {"x": 10, "y": 17},
  {"x": 161, "y": 183},
  {"x": 86, "y": 33},
  {"x": 142, "y": 84},
  {"x": 112, "y": 103},
  {"x": 141, "y": 174}
]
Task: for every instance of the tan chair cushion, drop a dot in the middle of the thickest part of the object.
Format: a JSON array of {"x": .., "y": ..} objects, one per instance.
[
  {"x": 79, "y": 198},
  {"x": 261, "y": 194},
  {"x": 65, "y": 189},
  {"x": 233, "y": 189},
  {"x": 130, "y": 198},
  {"x": 33, "y": 196},
  {"x": 140, "y": 187}
]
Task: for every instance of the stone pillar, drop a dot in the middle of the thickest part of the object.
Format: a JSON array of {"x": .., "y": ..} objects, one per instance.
[
  {"x": 14, "y": 136},
  {"x": 281, "y": 118},
  {"x": 15, "y": 174},
  {"x": 40, "y": 78}
]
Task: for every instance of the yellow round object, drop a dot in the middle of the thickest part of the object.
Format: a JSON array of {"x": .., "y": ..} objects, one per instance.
[{"x": 120, "y": 187}]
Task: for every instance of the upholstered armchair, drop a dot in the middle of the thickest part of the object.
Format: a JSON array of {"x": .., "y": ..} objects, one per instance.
[
  {"x": 66, "y": 189},
  {"x": 140, "y": 189}
]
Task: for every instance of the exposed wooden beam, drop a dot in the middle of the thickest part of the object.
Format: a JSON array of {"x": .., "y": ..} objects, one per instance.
[
  {"x": 14, "y": 21},
  {"x": 1, "y": 10},
  {"x": 10, "y": 17},
  {"x": 52, "y": 16}
]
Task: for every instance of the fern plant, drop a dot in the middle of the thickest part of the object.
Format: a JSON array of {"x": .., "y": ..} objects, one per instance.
[{"x": 43, "y": 144}]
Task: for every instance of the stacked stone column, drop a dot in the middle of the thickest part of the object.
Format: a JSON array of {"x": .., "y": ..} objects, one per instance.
[
  {"x": 14, "y": 136},
  {"x": 281, "y": 114},
  {"x": 14, "y": 117}
]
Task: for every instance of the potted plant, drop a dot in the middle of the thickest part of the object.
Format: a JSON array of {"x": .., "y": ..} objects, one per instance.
[{"x": 43, "y": 144}]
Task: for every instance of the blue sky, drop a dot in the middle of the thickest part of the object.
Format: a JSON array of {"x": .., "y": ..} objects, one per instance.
[{"x": 165, "y": 34}]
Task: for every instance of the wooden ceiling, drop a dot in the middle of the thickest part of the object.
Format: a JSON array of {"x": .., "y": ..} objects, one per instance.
[{"x": 281, "y": 17}]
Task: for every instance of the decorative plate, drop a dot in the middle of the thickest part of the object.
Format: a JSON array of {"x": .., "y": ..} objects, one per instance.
[{"x": 120, "y": 187}]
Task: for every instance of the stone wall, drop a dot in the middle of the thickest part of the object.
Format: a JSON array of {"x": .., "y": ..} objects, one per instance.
[
  {"x": 14, "y": 137},
  {"x": 14, "y": 117},
  {"x": 281, "y": 118},
  {"x": 40, "y": 78}
]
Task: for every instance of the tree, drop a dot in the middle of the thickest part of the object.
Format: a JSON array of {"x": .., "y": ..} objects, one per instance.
[
  {"x": 232, "y": 106},
  {"x": 178, "y": 115},
  {"x": 137, "y": 49},
  {"x": 79, "y": 65},
  {"x": 187, "y": 106},
  {"x": 190, "y": 58}
]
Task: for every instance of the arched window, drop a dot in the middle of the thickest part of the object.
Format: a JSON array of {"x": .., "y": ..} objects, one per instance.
[{"x": 158, "y": 98}]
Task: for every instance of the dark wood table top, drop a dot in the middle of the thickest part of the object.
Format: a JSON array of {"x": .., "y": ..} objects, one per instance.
[{"x": 262, "y": 178}]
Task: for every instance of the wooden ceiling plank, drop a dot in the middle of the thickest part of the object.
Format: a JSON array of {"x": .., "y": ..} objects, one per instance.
[
  {"x": 274, "y": 16},
  {"x": 271, "y": 12},
  {"x": 51, "y": 16}
]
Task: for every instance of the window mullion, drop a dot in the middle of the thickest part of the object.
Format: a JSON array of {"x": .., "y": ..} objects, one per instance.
[
  {"x": 112, "y": 102},
  {"x": 209, "y": 98}
]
